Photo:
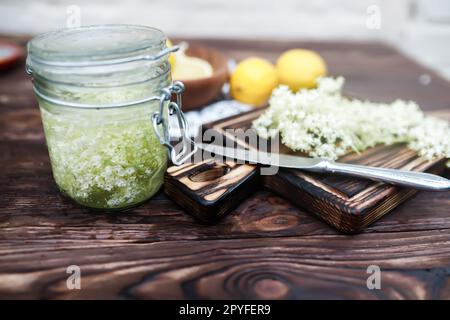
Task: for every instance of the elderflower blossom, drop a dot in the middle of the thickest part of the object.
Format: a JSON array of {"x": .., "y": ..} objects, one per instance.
[{"x": 323, "y": 123}]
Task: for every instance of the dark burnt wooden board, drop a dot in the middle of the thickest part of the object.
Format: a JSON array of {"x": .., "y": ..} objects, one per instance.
[{"x": 209, "y": 190}]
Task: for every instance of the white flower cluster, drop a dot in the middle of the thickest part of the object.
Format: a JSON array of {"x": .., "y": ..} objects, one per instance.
[{"x": 323, "y": 123}]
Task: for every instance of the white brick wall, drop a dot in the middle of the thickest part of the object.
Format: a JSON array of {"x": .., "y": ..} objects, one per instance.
[
  {"x": 436, "y": 11},
  {"x": 421, "y": 28},
  {"x": 426, "y": 35}
]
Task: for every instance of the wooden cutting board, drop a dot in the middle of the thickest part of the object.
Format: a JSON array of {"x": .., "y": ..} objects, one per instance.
[{"x": 209, "y": 190}]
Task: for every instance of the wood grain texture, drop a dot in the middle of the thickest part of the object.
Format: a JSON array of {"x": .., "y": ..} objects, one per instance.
[
  {"x": 263, "y": 268},
  {"x": 208, "y": 190},
  {"x": 266, "y": 248}
]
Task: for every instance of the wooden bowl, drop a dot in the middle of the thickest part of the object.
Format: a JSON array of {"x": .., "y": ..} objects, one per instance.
[{"x": 199, "y": 92}]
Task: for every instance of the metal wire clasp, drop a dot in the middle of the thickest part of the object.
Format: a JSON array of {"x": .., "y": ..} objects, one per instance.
[{"x": 188, "y": 147}]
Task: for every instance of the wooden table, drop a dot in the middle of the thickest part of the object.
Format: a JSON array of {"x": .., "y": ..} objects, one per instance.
[{"x": 265, "y": 249}]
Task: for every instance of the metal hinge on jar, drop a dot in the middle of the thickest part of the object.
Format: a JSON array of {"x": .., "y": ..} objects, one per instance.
[{"x": 188, "y": 146}]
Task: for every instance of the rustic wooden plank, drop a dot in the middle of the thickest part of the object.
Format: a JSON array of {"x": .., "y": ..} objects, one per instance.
[
  {"x": 265, "y": 246},
  {"x": 414, "y": 265}
]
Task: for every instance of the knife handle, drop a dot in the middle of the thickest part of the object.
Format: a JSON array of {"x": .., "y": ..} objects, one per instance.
[{"x": 416, "y": 180}]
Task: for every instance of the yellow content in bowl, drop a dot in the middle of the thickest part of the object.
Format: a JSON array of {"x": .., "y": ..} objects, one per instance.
[{"x": 189, "y": 68}]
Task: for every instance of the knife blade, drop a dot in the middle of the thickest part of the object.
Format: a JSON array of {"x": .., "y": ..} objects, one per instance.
[{"x": 412, "y": 179}]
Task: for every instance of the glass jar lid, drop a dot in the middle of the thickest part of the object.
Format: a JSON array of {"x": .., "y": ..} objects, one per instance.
[
  {"x": 96, "y": 45},
  {"x": 70, "y": 65}
]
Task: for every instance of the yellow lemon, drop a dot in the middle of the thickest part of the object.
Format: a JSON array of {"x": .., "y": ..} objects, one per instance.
[
  {"x": 171, "y": 56},
  {"x": 253, "y": 80},
  {"x": 299, "y": 68}
]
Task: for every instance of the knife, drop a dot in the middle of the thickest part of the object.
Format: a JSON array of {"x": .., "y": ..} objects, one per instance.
[{"x": 416, "y": 180}]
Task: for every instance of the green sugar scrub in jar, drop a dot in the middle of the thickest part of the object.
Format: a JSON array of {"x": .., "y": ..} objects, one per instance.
[{"x": 104, "y": 94}]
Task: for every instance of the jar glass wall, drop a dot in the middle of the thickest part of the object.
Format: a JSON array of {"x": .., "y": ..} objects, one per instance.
[{"x": 95, "y": 96}]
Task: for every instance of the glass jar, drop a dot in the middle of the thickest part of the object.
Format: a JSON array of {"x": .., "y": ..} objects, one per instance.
[{"x": 104, "y": 94}]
